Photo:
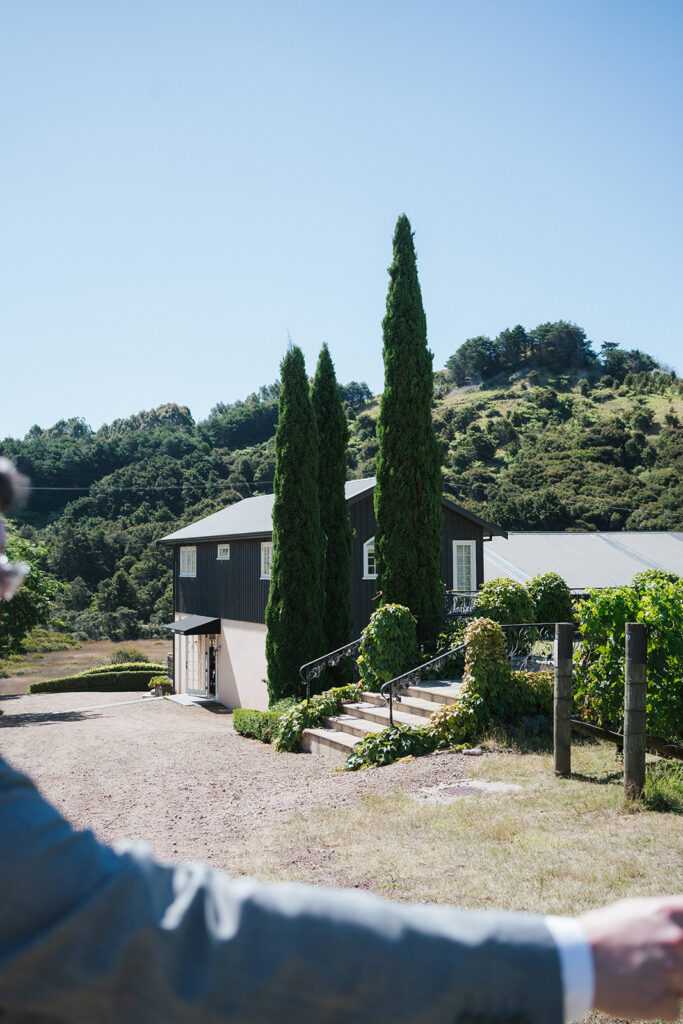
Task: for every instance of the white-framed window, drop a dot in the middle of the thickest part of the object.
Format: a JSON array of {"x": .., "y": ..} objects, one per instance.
[
  {"x": 464, "y": 565},
  {"x": 223, "y": 554},
  {"x": 188, "y": 562},
  {"x": 266, "y": 559},
  {"x": 369, "y": 560}
]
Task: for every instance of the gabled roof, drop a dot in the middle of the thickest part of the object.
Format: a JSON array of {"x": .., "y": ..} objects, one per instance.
[
  {"x": 253, "y": 517},
  {"x": 584, "y": 560}
]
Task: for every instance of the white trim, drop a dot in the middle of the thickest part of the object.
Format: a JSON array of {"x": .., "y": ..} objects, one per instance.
[
  {"x": 368, "y": 552},
  {"x": 187, "y": 561},
  {"x": 225, "y": 555},
  {"x": 466, "y": 587},
  {"x": 266, "y": 559}
]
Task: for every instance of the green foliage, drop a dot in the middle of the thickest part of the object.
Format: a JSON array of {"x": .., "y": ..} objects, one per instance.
[
  {"x": 391, "y": 745},
  {"x": 409, "y": 485},
  {"x": 505, "y": 601},
  {"x": 492, "y": 695},
  {"x": 294, "y": 614},
  {"x": 664, "y": 787},
  {"x": 388, "y": 646},
  {"x": 30, "y": 606},
  {"x": 162, "y": 681},
  {"x": 657, "y": 602},
  {"x": 551, "y": 598},
  {"x": 261, "y": 725},
  {"x": 308, "y": 715},
  {"x": 128, "y": 654},
  {"x": 333, "y": 435},
  {"x": 44, "y": 640},
  {"x": 104, "y": 679}
]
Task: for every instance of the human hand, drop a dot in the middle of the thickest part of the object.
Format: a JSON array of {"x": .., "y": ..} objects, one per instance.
[{"x": 638, "y": 957}]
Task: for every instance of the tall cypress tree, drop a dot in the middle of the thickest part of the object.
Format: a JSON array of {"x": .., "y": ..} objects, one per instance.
[
  {"x": 409, "y": 485},
  {"x": 295, "y": 604},
  {"x": 333, "y": 436}
]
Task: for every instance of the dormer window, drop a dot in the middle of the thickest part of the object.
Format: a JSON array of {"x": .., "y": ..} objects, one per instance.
[
  {"x": 369, "y": 561},
  {"x": 188, "y": 562}
]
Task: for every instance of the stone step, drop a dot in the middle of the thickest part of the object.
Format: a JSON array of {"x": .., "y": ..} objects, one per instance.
[
  {"x": 408, "y": 704},
  {"x": 354, "y": 726},
  {"x": 331, "y": 743},
  {"x": 377, "y": 713},
  {"x": 446, "y": 691}
]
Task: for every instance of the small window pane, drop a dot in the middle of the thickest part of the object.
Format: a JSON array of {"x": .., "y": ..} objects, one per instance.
[
  {"x": 266, "y": 560},
  {"x": 188, "y": 562},
  {"x": 223, "y": 551}
]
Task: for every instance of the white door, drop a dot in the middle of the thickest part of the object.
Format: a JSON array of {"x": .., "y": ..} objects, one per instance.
[{"x": 197, "y": 665}]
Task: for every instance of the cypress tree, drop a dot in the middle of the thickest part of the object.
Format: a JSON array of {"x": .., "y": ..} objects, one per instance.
[
  {"x": 333, "y": 436},
  {"x": 409, "y": 485},
  {"x": 295, "y": 603}
]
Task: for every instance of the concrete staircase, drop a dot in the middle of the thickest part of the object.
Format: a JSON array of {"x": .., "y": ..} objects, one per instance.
[{"x": 336, "y": 737}]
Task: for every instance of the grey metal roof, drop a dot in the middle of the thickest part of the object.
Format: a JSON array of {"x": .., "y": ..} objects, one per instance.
[
  {"x": 584, "y": 559},
  {"x": 253, "y": 517}
]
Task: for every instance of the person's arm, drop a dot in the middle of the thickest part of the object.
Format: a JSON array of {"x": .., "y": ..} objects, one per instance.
[
  {"x": 637, "y": 950},
  {"x": 91, "y": 934}
]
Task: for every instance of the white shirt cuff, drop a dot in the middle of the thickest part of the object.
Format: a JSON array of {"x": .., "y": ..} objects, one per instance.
[{"x": 576, "y": 965}]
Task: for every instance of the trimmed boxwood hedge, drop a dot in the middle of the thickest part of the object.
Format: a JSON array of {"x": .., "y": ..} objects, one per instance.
[
  {"x": 112, "y": 677},
  {"x": 261, "y": 725}
]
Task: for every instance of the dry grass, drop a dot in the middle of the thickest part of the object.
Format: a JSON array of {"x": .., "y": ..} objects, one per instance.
[
  {"x": 55, "y": 664},
  {"x": 555, "y": 846}
]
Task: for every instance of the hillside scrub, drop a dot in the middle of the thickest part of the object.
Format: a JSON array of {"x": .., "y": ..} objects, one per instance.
[{"x": 605, "y": 452}]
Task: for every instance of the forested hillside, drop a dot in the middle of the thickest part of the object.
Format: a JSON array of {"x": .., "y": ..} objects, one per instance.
[{"x": 537, "y": 431}]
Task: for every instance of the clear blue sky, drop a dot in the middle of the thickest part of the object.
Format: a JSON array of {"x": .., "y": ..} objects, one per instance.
[{"x": 184, "y": 183}]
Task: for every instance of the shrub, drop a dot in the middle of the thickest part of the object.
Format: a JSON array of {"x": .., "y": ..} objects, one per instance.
[
  {"x": 261, "y": 725},
  {"x": 551, "y": 598},
  {"x": 108, "y": 678},
  {"x": 309, "y": 715},
  {"x": 657, "y": 602},
  {"x": 504, "y": 600},
  {"x": 162, "y": 681},
  {"x": 128, "y": 654},
  {"x": 390, "y": 745},
  {"x": 388, "y": 647},
  {"x": 492, "y": 695}
]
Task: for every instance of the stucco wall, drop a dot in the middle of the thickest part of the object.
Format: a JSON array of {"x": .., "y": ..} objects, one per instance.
[
  {"x": 179, "y": 657},
  {"x": 241, "y": 665}
]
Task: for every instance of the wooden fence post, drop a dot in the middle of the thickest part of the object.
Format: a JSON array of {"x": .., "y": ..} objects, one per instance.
[
  {"x": 562, "y": 724},
  {"x": 635, "y": 726}
]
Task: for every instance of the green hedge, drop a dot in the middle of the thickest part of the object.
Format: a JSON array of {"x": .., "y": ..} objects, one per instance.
[
  {"x": 114, "y": 679},
  {"x": 262, "y": 725},
  {"x": 128, "y": 666}
]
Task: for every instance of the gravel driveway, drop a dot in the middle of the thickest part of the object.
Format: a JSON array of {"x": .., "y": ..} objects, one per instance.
[{"x": 180, "y": 778}]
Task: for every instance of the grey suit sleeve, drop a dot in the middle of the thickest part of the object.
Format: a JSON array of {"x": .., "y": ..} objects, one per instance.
[{"x": 90, "y": 934}]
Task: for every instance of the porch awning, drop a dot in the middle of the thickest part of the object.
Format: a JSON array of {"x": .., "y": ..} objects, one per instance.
[{"x": 195, "y": 625}]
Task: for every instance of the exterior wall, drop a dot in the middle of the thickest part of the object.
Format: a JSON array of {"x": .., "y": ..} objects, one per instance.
[
  {"x": 179, "y": 657},
  {"x": 225, "y": 589},
  {"x": 241, "y": 665},
  {"x": 456, "y": 527},
  {"x": 364, "y": 524}
]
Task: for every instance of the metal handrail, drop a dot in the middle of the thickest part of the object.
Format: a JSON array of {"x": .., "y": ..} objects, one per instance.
[
  {"x": 415, "y": 674},
  {"x": 314, "y": 669}
]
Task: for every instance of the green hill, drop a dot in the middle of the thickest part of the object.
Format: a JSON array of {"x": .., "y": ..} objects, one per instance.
[{"x": 538, "y": 433}]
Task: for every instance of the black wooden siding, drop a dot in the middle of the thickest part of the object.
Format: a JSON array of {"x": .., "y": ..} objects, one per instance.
[
  {"x": 225, "y": 588},
  {"x": 233, "y": 588},
  {"x": 364, "y": 524}
]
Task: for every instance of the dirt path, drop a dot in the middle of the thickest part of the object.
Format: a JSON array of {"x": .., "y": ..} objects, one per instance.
[{"x": 180, "y": 778}]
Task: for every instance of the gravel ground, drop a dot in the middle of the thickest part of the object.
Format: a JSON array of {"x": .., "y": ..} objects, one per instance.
[{"x": 180, "y": 778}]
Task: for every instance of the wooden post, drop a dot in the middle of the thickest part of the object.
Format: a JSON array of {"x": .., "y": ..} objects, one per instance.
[
  {"x": 635, "y": 726},
  {"x": 562, "y": 725}
]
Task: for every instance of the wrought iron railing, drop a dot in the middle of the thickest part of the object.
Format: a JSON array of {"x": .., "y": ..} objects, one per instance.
[
  {"x": 391, "y": 689},
  {"x": 529, "y": 644},
  {"x": 459, "y": 603},
  {"x": 314, "y": 669}
]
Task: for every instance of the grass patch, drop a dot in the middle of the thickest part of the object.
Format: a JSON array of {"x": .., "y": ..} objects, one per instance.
[
  {"x": 664, "y": 787},
  {"x": 554, "y": 846}
]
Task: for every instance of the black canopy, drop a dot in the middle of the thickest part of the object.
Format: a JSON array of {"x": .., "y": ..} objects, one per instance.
[{"x": 194, "y": 625}]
